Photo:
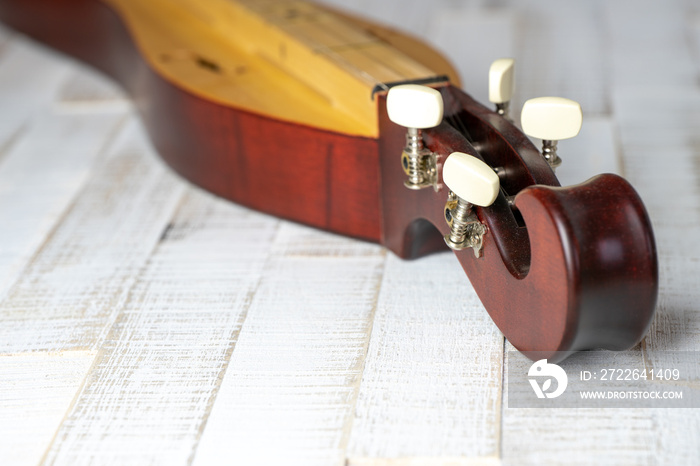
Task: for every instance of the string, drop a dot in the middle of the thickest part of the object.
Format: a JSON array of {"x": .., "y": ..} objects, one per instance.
[{"x": 284, "y": 23}]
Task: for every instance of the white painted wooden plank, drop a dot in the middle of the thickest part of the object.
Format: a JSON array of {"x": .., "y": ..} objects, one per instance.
[
  {"x": 658, "y": 138},
  {"x": 30, "y": 71},
  {"x": 652, "y": 133},
  {"x": 693, "y": 27},
  {"x": 160, "y": 367},
  {"x": 87, "y": 90},
  {"x": 36, "y": 391},
  {"x": 459, "y": 33},
  {"x": 692, "y": 19},
  {"x": 601, "y": 436},
  {"x": 428, "y": 461},
  {"x": 579, "y": 437},
  {"x": 301, "y": 242},
  {"x": 76, "y": 283},
  {"x": 648, "y": 44},
  {"x": 656, "y": 114},
  {"x": 649, "y": 128},
  {"x": 39, "y": 178},
  {"x": 561, "y": 51},
  {"x": 29, "y": 78},
  {"x": 431, "y": 386},
  {"x": 678, "y": 431},
  {"x": 662, "y": 157},
  {"x": 289, "y": 392},
  {"x": 566, "y": 436}
]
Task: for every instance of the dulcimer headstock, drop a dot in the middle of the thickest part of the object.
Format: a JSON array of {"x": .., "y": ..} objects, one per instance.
[{"x": 559, "y": 269}]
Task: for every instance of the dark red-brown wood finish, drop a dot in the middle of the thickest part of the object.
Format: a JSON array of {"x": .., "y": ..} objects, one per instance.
[
  {"x": 323, "y": 179},
  {"x": 566, "y": 269}
]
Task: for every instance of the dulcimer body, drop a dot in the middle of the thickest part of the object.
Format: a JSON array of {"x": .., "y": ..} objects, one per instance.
[{"x": 280, "y": 105}]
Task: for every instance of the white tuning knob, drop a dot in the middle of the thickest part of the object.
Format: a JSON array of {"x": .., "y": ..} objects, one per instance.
[
  {"x": 471, "y": 182},
  {"x": 414, "y": 106},
  {"x": 470, "y": 179},
  {"x": 551, "y": 119},
  {"x": 501, "y": 82}
]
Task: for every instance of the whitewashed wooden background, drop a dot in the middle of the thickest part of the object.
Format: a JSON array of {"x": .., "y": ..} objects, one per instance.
[{"x": 143, "y": 321}]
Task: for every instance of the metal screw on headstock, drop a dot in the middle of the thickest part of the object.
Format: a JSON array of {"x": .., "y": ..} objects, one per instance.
[{"x": 549, "y": 152}]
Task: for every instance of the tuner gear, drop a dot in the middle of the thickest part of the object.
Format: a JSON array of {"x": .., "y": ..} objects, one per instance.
[
  {"x": 416, "y": 107},
  {"x": 470, "y": 181}
]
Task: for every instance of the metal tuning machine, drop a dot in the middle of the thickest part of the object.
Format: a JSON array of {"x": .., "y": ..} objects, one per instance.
[
  {"x": 416, "y": 108},
  {"x": 471, "y": 182},
  {"x": 551, "y": 119},
  {"x": 501, "y": 83}
]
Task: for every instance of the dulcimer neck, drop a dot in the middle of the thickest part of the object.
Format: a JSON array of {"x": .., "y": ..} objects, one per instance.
[
  {"x": 238, "y": 99},
  {"x": 286, "y": 59}
]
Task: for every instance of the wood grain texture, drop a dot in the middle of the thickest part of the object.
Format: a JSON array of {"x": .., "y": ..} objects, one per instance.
[
  {"x": 167, "y": 347},
  {"x": 256, "y": 56},
  {"x": 292, "y": 382},
  {"x": 72, "y": 289},
  {"x": 86, "y": 91},
  {"x": 647, "y": 128},
  {"x": 36, "y": 392},
  {"x": 676, "y": 97},
  {"x": 67, "y": 145},
  {"x": 655, "y": 111},
  {"x": 446, "y": 398},
  {"x": 34, "y": 76}
]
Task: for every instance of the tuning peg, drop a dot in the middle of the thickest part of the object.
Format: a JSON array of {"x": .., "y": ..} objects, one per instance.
[
  {"x": 471, "y": 181},
  {"x": 416, "y": 107},
  {"x": 551, "y": 119},
  {"x": 501, "y": 82}
]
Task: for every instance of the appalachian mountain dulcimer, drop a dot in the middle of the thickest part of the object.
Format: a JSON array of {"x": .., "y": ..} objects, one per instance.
[{"x": 301, "y": 112}]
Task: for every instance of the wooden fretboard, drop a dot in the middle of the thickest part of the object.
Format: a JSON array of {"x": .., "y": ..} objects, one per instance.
[{"x": 291, "y": 60}]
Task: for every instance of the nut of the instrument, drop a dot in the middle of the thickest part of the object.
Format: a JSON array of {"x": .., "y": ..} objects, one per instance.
[
  {"x": 551, "y": 118},
  {"x": 414, "y": 106},
  {"x": 501, "y": 78},
  {"x": 470, "y": 179}
]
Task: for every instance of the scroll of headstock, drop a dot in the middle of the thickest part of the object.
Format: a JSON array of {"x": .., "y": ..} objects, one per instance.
[{"x": 559, "y": 269}]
